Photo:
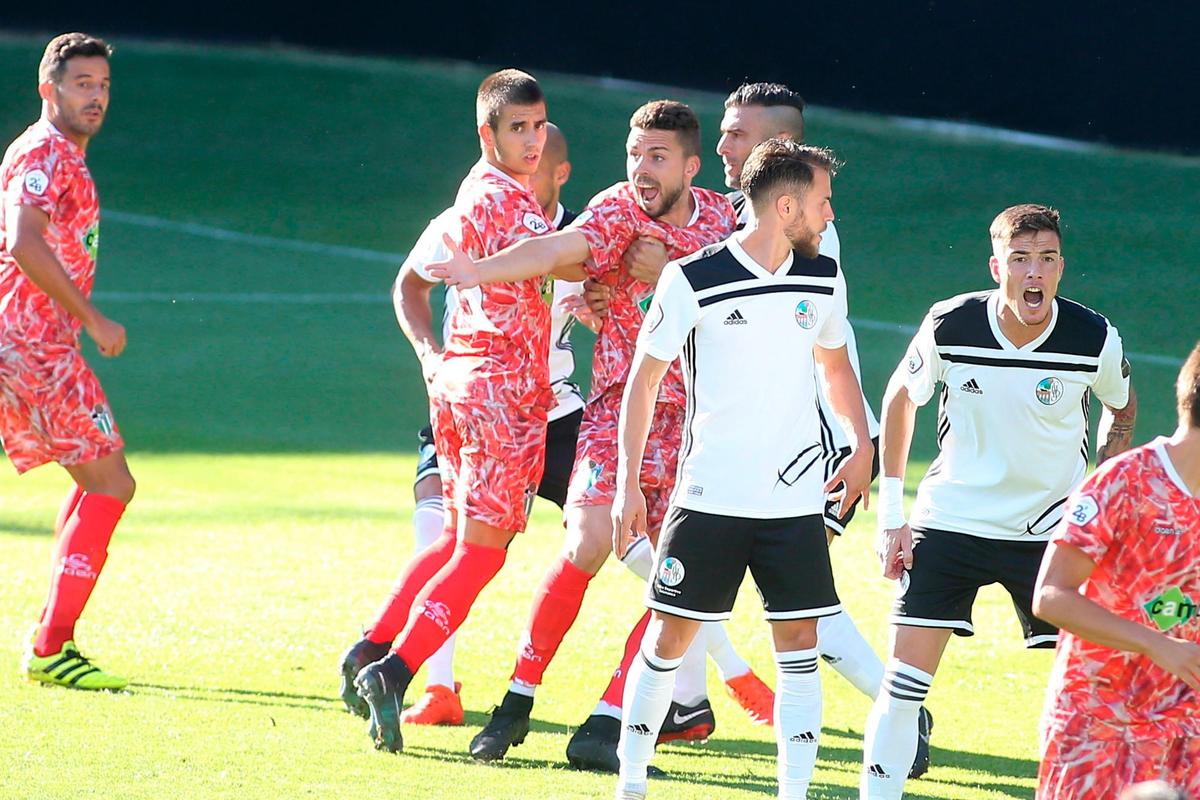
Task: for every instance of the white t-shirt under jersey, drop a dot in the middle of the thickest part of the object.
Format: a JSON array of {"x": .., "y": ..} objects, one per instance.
[
  {"x": 1012, "y": 422},
  {"x": 752, "y": 436}
]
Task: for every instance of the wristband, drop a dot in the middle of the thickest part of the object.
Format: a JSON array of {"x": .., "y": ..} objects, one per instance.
[{"x": 891, "y": 503}]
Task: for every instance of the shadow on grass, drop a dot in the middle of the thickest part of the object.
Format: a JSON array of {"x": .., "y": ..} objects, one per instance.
[
  {"x": 218, "y": 694},
  {"x": 21, "y": 529}
]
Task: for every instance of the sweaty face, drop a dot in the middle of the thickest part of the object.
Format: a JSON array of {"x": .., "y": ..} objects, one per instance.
[
  {"x": 742, "y": 128},
  {"x": 657, "y": 169},
  {"x": 80, "y": 97},
  {"x": 1028, "y": 268},
  {"x": 519, "y": 137},
  {"x": 816, "y": 212}
]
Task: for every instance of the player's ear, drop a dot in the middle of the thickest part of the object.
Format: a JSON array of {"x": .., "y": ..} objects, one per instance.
[
  {"x": 994, "y": 267},
  {"x": 562, "y": 173},
  {"x": 691, "y": 166},
  {"x": 46, "y": 90},
  {"x": 487, "y": 136}
]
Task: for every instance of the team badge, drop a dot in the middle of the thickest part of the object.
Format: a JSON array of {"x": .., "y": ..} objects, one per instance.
[
  {"x": 915, "y": 362},
  {"x": 671, "y": 571},
  {"x": 1171, "y": 608},
  {"x": 535, "y": 223},
  {"x": 651, "y": 325},
  {"x": 1084, "y": 511},
  {"x": 806, "y": 314},
  {"x": 36, "y": 182},
  {"x": 1049, "y": 391}
]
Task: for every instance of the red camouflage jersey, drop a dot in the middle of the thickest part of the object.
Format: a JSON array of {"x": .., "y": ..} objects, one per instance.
[
  {"x": 1136, "y": 521},
  {"x": 611, "y": 222},
  {"x": 499, "y": 334},
  {"x": 44, "y": 169}
]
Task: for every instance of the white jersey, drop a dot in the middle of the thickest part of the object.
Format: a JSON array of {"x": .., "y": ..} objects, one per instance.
[
  {"x": 833, "y": 437},
  {"x": 430, "y": 248},
  {"x": 752, "y": 433},
  {"x": 1012, "y": 422}
]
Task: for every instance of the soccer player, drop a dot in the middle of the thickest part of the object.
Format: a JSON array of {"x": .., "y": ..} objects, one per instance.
[
  {"x": 489, "y": 396},
  {"x": 51, "y": 405},
  {"x": 755, "y": 112},
  {"x": 1121, "y": 577},
  {"x": 749, "y": 494},
  {"x": 441, "y": 704},
  {"x": 657, "y": 201},
  {"x": 1017, "y": 366}
]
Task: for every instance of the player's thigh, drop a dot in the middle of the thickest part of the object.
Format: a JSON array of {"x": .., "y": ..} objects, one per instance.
[
  {"x": 789, "y": 560},
  {"x": 939, "y": 590},
  {"x": 1016, "y": 566},
  {"x": 589, "y": 531},
  {"x": 500, "y": 463},
  {"x": 702, "y": 559}
]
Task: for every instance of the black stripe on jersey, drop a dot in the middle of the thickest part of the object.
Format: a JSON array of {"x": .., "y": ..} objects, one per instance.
[
  {"x": 1078, "y": 331},
  {"x": 819, "y": 267},
  {"x": 962, "y": 321},
  {"x": 688, "y": 363},
  {"x": 798, "y": 288},
  {"x": 738, "y": 200},
  {"x": 943, "y": 427},
  {"x": 713, "y": 266},
  {"x": 1030, "y": 527},
  {"x": 793, "y": 472},
  {"x": 1020, "y": 363},
  {"x": 1087, "y": 420}
]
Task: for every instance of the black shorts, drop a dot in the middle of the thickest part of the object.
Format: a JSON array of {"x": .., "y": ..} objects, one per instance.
[
  {"x": 836, "y": 523},
  {"x": 702, "y": 559},
  {"x": 948, "y": 569},
  {"x": 561, "y": 435}
]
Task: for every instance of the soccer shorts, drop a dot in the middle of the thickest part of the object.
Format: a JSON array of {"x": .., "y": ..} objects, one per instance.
[
  {"x": 948, "y": 570},
  {"x": 491, "y": 458},
  {"x": 1082, "y": 768},
  {"x": 838, "y": 522},
  {"x": 52, "y": 407},
  {"x": 594, "y": 479},
  {"x": 561, "y": 436},
  {"x": 702, "y": 559}
]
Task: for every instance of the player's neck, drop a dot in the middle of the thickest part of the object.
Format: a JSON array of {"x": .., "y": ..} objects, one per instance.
[
  {"x": 77, "y": 139},
  {"x": 683, "y": 210},
  {"x": 1183, "y": 449},
  {"x": 766, "y": 245},
  {"x": 496, "y": 164},
  {"x": 1018, "y": 333}
]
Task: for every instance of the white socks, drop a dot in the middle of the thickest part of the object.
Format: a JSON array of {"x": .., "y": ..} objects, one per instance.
[
  {"x": 721, "y": 651},
  {"x": 647, "y": 698},
  {"x": 797, "y": 720},
  {"x": 429, "y": 521},
  {"x": 890, "y": 743},
  {"x": 845, "y": 649}
]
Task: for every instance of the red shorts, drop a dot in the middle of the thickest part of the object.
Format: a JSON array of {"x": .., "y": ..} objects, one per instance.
[
  {"x": 594, "y": 478},
  {"x": 1079, "y": 768},
  {"x": 491, "y": 457},
  {"x": 52, "y": 407}
]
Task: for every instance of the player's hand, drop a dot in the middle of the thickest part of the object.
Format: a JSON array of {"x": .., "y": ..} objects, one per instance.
[
  {"x": 646, "y": 258},
  {"x": 895, "y": 550},
  {"x": 576, "y": 305},
  {"x": 459, "y": 271},
  {"x": 629, "y": 519},
  {"x": 852, "y": 481},
  {"x": 1179, "y": 657},
  {"x": 109, "y": 336},
  {"x": 597, "y": 296}
]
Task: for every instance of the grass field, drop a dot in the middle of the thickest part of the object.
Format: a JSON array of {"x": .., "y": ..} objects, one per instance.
[{"x": 254, "y": 203}]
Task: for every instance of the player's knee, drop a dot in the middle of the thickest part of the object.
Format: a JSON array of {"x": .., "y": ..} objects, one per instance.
[
  {"x": 589, "y": 540},
  {"x": 800, "y": 634},
  {"x": 123, "y": 488}
]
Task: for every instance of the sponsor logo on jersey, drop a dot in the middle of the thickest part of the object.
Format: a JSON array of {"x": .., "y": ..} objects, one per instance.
[
  {"x": 91, "y": 240},
  {"x": 695, "y": 491},
  {"x": 102, "y": 420},
  {"x": 806, "y": 314},
  {"x": 1171, "y": 608},
  {"x": 671, "y": 571},
  {"x": 915, "y": 362},
  {"x": 971, "y": 387},
  {"x": 535, "y": 223},
  {"x": 736, "y": 318},
  {"x": 644, "y": 303},
  {"x": 1165, "y": 529},
  {"x": 1049, "y": 391},
  {"x": 36, "y": 182},
  {"x": 547, "y": 289},
  {"x": 1084, "y": 511}
]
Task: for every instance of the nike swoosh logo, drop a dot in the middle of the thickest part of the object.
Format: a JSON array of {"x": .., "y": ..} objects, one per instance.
[{"x": 679, "y": 720}]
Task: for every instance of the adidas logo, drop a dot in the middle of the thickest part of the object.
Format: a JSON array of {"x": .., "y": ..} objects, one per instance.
[
  {"x": 736, "y": 318},
  {"x": 640, "y": 730},
  {"x": 971, "y": 387},
  {"x": 876, "y": 771},
  {"x": 803, "y": 738}
]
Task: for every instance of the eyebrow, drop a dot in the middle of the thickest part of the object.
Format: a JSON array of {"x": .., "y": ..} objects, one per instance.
[{"x": 1040, "y": 252}]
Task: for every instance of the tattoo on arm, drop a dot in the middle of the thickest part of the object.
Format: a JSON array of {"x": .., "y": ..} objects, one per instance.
[{"x": 1116, "y": 430}]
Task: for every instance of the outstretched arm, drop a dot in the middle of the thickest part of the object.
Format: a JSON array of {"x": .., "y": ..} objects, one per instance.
[{"x": 561, "y": 254}]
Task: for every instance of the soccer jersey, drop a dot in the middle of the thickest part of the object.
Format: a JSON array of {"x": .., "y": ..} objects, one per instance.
[
  {"x": 1136, "y": 519},
  {"x": 752, "y": 437},
  {"x": 610, "y": 223},
  {"x": 1012, "y": 421},
  {"x": 44, "y": 169},
  {"x": 430, "y": 247},
  {"x": 499, "y": 334}
]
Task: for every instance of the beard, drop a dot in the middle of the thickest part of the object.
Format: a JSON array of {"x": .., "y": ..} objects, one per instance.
[
  {"x": 804, "y": 239},
  {"x": 666, "y": 201},
  {"x": 78, "y": 124}
]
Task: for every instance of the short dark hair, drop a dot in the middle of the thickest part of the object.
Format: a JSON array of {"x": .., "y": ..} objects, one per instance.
[
  {"x": 770, "y": 95},
  {"x": 1187, "y": 390},
  {"x": 1025, "y": 218},
  {"x": 670, "y": 115},
  {"x": 784, "y": 163},
  {"x": 64, "y": 47},
  {"x": 503, "y": 88}
]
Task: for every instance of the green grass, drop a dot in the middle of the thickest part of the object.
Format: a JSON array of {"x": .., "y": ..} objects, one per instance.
[{"x": 272, "y": 441}]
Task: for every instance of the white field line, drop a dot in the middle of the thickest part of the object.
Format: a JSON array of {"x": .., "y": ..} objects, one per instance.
[{"x": 360, "y": 298}]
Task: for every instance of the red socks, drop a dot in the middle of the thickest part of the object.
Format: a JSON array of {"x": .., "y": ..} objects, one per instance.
[
  {"x": 555, "y": 607},
  {"x": 633, "y": 645},
  {"x": 79, "y": 555},
  {"x": 424, "y": 565},
  {"x": 444, "y": 603}
]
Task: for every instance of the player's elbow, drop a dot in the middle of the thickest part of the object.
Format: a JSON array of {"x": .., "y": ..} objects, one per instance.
[{"x": 1048, "y": 603}]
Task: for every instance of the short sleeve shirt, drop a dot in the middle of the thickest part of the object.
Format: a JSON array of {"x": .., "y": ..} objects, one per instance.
[
  {"x": 1136, "y": 519},
  {"x": 44, "y": 169},
  {"x": 610, "y": 223}
]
